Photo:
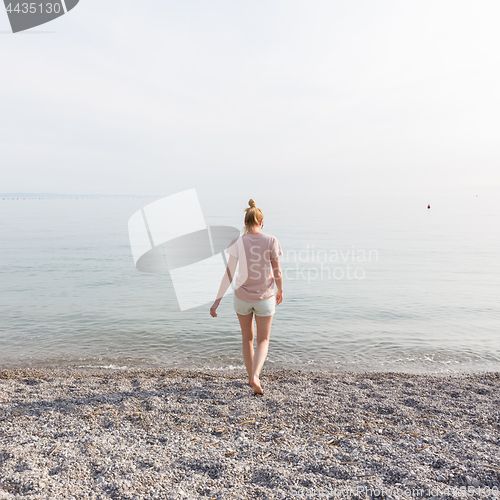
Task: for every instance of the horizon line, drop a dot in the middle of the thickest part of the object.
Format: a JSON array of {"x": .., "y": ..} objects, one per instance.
[{"x": 68, "y": 195}]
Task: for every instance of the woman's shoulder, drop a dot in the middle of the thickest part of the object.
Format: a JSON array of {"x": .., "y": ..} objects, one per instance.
[
  {"x": 261, "y": 236},
  {"x": 271, "y": 237}
]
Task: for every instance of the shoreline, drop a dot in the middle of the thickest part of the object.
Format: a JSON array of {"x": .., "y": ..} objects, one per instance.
[
  {"x": 141, "y": 434},
  {"x": 233, "y": 372}
]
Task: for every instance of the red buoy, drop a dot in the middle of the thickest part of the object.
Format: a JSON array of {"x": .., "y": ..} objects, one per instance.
[{"x": 428, "y": 206}]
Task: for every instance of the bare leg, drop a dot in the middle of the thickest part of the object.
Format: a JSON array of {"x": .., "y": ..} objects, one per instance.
[
  {"x": 263, "y": 332},
  {"x": 247, "y": 334}
]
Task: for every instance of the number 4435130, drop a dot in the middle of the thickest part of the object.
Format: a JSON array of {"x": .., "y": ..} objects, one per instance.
[{"x": 33, "y": 8}]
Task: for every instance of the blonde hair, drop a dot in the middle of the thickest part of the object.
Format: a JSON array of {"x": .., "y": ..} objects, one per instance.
[{"x": 253, "y": 216}]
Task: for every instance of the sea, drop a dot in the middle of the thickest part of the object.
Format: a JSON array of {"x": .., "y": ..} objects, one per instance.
[{"x": 372, "y": 283}]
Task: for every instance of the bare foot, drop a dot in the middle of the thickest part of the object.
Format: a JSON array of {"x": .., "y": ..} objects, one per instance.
[{"x": 255, "y": 384}]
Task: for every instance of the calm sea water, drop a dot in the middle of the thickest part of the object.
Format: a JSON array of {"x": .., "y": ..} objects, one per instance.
[{"x": 372, "y": 283}]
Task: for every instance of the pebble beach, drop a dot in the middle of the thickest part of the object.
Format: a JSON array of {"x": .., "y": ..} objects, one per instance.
[{"x": 153, "y": 434}]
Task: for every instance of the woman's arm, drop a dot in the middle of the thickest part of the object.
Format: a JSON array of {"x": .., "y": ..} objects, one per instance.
[
  {"x": 226, "y": 281},
  {"x": 278, "y": 278}
]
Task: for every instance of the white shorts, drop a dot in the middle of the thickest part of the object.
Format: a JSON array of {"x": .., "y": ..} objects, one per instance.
[{"x": 265, "y": 307}]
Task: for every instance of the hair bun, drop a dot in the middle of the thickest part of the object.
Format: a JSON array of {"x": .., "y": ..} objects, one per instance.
[{"x": 251, "y": 203}]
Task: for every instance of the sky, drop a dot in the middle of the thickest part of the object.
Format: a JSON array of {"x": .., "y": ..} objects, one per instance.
[{"x": 328, "y": 97}]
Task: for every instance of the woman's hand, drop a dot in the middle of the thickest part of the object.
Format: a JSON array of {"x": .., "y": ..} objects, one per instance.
[
  {"x": 213, "y": 309},
  {"x": 279, "y": 297}
]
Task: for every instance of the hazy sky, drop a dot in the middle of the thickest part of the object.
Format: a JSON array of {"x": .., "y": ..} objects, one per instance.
[{"x": 336, "y": 96}]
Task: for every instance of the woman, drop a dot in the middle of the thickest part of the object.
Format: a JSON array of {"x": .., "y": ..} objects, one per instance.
[{"x": 258, "y": 255}]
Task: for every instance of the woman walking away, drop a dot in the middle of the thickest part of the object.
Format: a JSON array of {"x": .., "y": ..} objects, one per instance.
[{"x": 259, "y": 269}]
